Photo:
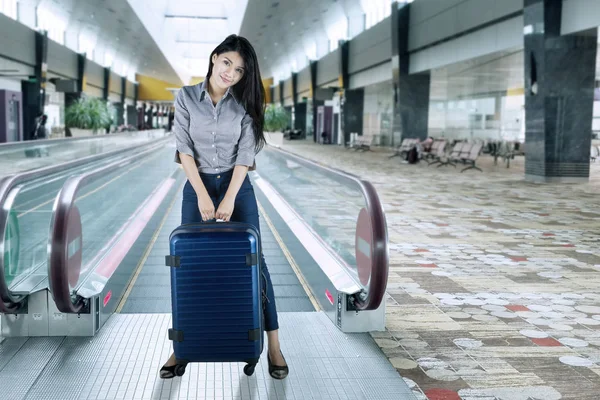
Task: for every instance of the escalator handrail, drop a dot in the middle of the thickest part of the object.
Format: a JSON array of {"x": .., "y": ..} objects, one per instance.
[
  {"x": 10, "y": 303},
  {"x": 7, "y": 146},
  {"x": 380, "y": 252},
  {"x": 58, "y": 279}
]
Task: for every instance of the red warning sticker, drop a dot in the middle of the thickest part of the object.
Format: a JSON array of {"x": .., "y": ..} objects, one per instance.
[
  {"x": 329, "y": 296},
  {"x": 107, "y": 297}
]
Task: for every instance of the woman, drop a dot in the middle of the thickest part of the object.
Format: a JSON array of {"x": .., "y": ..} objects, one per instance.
[{"x": 218, "y": 128}]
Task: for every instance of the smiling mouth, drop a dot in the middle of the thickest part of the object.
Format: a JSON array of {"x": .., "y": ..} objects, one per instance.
[{"x": 225, "y": 80}]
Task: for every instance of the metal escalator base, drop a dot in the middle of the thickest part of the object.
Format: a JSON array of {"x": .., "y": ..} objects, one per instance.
[{"x": 123, "y": 360}]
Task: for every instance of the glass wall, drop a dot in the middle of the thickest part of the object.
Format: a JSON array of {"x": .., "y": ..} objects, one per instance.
[
  {"x": 378, "y": 112},
  {"x": 482, "y": 99}
]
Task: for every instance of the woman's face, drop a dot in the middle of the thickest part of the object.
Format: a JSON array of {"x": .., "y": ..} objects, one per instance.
[{"x": 228, "y": 69}]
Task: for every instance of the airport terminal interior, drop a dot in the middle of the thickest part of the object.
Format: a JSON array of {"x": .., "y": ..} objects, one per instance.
[{"x": 426, "y": 197}]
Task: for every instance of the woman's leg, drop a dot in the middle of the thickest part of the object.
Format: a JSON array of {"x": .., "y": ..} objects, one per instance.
[{"x": 246, "y": 210}]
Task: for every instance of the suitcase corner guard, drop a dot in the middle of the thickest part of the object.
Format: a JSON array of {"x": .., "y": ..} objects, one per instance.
[
  {"x": 251, "y": 259},
  {"x": 254, "y": 335},
  {"x": 173, "y": 261},
  {"x": 176, "y": 336}
]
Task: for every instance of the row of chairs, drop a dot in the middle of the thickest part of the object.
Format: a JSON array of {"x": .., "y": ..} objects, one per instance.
[
  {"x": 361, "y": 143},
  {"x": 404, "y": 148},
  {"x": 463, "y": 152}
]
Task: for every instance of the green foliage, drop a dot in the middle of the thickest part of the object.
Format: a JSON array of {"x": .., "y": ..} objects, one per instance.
[
  {"x": 276, "y": 118},
  {"x": 88, "y": 113}
]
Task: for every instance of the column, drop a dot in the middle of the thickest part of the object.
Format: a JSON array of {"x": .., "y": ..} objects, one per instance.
[
  {"x": 121, "y": 106},
  {"x": 71, "y": 98},
  {"x": 281, "y": 91},
  {"x": 559, "y": 92},
  {"x": 411, "y": 91},
  {"x": 106, "y": 89},
  {"x": 352, "y": 101},
  {"x": 313, "y": 91},
  {"x": 34, "y": 89},
  {"x": 294, "y": 88}
]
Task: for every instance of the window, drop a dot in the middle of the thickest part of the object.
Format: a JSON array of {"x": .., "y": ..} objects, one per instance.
[
  {"x": 336, "y": 32},
  {"x": 9, "y": 8},
  {"x": 49, "y": 22},
  {"x": 86, "y": 45},
  {"x": 108, "y": 59},
  {"x": 311, "y": 51}
]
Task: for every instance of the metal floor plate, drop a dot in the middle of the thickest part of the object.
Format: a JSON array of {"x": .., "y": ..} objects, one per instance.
[{"x": 123, "y": 360}]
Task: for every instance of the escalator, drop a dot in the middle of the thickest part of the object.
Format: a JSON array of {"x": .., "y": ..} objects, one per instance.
[
  {"x": 105, "y": 247},
  {"x": 27, "y": 202}
]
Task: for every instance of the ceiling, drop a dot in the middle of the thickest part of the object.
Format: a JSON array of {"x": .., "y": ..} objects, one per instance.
[
  {"x": 187, "y": 31},
  {"x": 114, "y": 28},
  {"x": 139, "y": 37},
  {"x": 282, "y": 31}
]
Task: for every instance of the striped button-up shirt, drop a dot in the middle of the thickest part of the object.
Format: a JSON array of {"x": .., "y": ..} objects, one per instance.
[{"x": 218, "y": 137}]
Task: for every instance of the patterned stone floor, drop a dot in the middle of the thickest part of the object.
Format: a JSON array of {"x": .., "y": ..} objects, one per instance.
[{"x": 494, "y": 286}]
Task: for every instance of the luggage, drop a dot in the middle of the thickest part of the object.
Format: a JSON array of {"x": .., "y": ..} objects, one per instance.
[{"x": 216, "y": 294}]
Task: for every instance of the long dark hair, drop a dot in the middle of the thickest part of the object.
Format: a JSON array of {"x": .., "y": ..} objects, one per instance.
[{"x": 249, "y": 90}]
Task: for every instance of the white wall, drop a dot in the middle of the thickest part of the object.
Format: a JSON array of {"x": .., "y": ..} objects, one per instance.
[
  {"x": 434, "y": 20},
  {"x": 579, "y": 15},
  {"x": 304, "y": 79},
  {"x": 495, "y": 38},
  {"x": 378, "y": 74},
  {"x": 328, "y": 69},
  {"x": 371, "y": 47},
  {"x": 10, "y": 84}
]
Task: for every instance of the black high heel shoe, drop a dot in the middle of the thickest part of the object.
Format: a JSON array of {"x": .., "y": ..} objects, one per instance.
[{"x": 276, "y": 371}]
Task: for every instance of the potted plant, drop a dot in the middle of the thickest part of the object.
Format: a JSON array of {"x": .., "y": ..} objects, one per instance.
[
  {"x": 276, "y": 120},
  {"x": 87, "y": 117}
]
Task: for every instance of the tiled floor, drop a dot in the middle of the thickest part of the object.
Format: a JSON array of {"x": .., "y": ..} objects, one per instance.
[{"x": 494, "y": 286}]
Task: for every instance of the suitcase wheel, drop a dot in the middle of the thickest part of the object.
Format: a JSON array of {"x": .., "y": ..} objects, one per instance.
[
  {"x": 180, "y": 370},
  {"x": 249, "y": 369}
]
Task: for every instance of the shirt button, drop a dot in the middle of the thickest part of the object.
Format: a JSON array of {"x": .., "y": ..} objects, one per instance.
[
  {"x": 213, "y": 145},
  {"x": 213, "y": 133}
]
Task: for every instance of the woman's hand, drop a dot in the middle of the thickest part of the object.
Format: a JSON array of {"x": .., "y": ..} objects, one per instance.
[
  {"x": 206, "y": 207},
  {"x": 225, "y": 208}
]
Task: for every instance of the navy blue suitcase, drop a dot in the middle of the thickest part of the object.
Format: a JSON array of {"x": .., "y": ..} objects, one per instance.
[{"x": 216, "y": 294}]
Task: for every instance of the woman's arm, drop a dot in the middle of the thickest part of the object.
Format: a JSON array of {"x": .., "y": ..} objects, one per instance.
[
  {"x": 185, "y": 156},
  {"x": 244, "y": 160},
  {"x": 191, "y": 171}
]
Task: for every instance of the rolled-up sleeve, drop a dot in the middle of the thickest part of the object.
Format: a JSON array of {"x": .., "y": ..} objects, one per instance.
[
  {"x": 247, "y": 143},
  {"x": 181, "y": 128}
]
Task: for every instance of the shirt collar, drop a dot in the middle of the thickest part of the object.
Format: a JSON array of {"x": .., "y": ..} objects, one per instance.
[{"x": 204, "y": 91}]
